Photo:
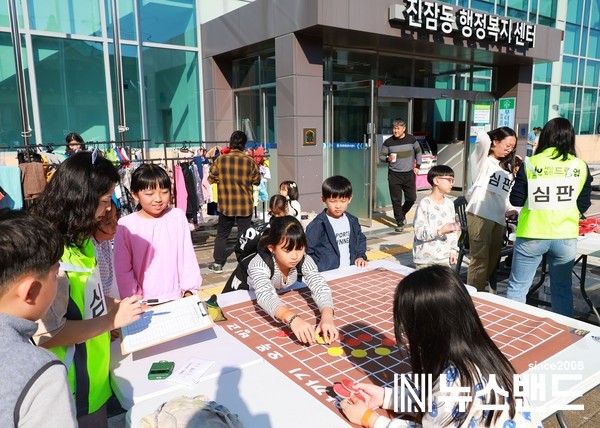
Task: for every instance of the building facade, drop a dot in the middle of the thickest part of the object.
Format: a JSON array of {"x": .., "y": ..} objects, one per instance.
[{"x": 317, "y": 82}]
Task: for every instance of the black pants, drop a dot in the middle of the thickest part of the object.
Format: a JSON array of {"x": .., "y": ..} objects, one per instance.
[
  {"x": 224, "y": 227},
  {"x": 402, "y": 182}
]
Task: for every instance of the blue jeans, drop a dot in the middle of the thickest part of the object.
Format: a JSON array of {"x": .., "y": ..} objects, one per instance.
[{"x": 527, "y": 256}]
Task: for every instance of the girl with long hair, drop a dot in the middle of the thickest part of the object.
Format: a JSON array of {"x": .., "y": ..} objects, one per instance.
[{"x": 435, "y": 319}]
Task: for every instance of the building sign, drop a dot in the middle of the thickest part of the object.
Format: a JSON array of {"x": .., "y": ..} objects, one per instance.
[
  {"x": 506, "y": 112},
  {"x": 472, "y": 24}
]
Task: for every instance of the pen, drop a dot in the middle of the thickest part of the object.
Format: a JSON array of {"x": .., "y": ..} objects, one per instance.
[{"x": 149, "y": 302}]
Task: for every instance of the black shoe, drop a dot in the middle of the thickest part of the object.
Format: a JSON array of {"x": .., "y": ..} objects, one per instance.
[{"x": 215, "y": 268}]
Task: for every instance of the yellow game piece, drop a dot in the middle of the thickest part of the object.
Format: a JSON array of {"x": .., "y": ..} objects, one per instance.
[
  {"x": 335, "y": 351},
  {"x": 382, "y": 351},
  {"x": 320, "y": 339},
  {"x": 359, "y": 353}
]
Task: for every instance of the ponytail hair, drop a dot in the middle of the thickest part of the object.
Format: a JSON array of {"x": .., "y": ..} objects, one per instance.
[{"x": 292, "y": 189}]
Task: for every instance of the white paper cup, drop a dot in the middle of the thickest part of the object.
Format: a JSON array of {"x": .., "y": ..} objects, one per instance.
[{"x": 392, "y": 157}]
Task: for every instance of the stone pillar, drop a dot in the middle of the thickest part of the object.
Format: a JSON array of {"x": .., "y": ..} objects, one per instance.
[
  {"x": 299, "y": 88},
  {"x": 218, "y": 100},
  {"x": 515, "y": 82}
]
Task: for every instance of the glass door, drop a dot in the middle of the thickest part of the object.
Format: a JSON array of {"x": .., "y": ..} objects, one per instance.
[{"x": 350, "y": 151}]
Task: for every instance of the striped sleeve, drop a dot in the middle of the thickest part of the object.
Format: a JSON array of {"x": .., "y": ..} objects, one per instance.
[
  {"x": 259, "y": 277},
  {"x": 321, "y": 293}
]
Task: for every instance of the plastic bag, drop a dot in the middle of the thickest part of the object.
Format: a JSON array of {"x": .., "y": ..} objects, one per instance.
[{"x": 191, "y": 412}]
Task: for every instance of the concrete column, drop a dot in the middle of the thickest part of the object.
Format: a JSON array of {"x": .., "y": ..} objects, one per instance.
[
  {"x": 515, "y": 81},
  {"x": 218, "y": 100},
  {"x": 299, "y": 85}
]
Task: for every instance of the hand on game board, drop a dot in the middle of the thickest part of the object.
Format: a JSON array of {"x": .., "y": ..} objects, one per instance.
[
  {"x": 303, "y": 331},
  {"x": 372, "y": 393},
  {"x": 353, "y": 409},
  {"x": 360, "y": 262},
  {"x": 326, "y": 327}
]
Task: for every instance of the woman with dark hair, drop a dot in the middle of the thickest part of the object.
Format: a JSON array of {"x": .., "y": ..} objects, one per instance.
[
  {"x": 74, "y": 143},
  {"x": 76, "y": 328},
  {"x": 491, "y": 172},
  {"x": 459, "y": 353},
  {"x": 554, "y": 187}
]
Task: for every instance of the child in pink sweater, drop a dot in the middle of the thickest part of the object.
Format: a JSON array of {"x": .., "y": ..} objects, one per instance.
[{"x": 154, "y": 255}]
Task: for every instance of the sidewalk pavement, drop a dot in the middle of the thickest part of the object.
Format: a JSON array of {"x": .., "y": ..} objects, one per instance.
[{"x": 384, "y": 243}]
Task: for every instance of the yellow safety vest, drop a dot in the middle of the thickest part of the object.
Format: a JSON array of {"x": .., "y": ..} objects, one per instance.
[
  {"x": 88, "y": 362},
  {"x": 553, "y": 186}
]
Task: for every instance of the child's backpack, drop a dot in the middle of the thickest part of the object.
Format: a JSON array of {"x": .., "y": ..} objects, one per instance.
[
  {"x": 248, "y": 242},
  {"x": 239, "y": 277}
]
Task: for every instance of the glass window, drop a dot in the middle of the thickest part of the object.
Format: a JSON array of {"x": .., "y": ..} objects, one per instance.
[
  {"x": 581, "y": 71},
  {"x": 517, "y": 9},
  {"x": 4, "y": 18},
  {"x": 578, "y": 100},
  {"x": 572, "y": 36},
  {"x": 569, "y": 70},
  {"x": 171, "y": 22},
  {"x": 574, "y": 10},
  {"x": 268, "y": 66},
  {"x": 588, "y": 111},
  {"x": 567, "y": 103},
  {"x": 482, "y": 80},
  {"x": 584, "y": 39},
  {"x": 71, "y": 88},
  {"x": 542, "y": 72},
  {"x": 351, "y": 66},
  {"x": 394, "y": 70},
  {"x": 246, "y": 72},
  {"x": 484, "y": 5},
  {"x": 547, "y": 13},
  {"x": 10, "y": 116},
  {"x": 131, "y": 91},
  {"x": 594, "y": 44},
  {"x": 539, "y": 105},
  {"x": 172, "y": 94},
  {"x": 248, "y": 106},
  {"x": 71, "y": 17},
  {"x": 127, "y": 21},
  {"x": 592, "y": 73}
]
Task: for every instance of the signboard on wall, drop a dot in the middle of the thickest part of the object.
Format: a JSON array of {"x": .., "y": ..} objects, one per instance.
[
  {"x": 506, "y": 112},
  {"x": 437, "y": 17}
]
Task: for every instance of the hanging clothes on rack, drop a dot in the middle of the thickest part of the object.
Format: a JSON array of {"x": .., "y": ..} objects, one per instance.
[
  {"x": 10, "y": 181},
  {"x": 33, "y": 179}
]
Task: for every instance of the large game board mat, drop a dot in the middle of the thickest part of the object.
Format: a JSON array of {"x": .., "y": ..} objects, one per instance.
[{"x": 367, "y": 350}]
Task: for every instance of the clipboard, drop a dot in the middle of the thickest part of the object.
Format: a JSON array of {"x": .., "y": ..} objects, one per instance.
[{"x": 165, "y": 322}]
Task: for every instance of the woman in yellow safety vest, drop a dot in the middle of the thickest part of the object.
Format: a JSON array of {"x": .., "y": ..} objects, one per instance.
[
  {"x": 76, "y": 328},
  {"x": 553, "y": 187}
]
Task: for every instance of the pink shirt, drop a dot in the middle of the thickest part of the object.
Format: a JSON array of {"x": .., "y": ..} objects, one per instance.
[{"x": 155, "y": 257}]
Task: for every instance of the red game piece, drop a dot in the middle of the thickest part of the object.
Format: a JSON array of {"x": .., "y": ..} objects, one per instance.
[
  {"x": 365, "y": 337},
  {"x": 388, "y": 342},
  {"x": 283, "y": 333},
  {"x": 351, "y": 341},
  {"x": 341, "y": 390},
  {"x": 349, "y": 385}
]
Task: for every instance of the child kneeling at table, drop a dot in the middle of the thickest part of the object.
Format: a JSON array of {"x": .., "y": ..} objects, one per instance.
[
  {"x": 458, "y": 350},
  {"x": 276, "y": 266}
]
